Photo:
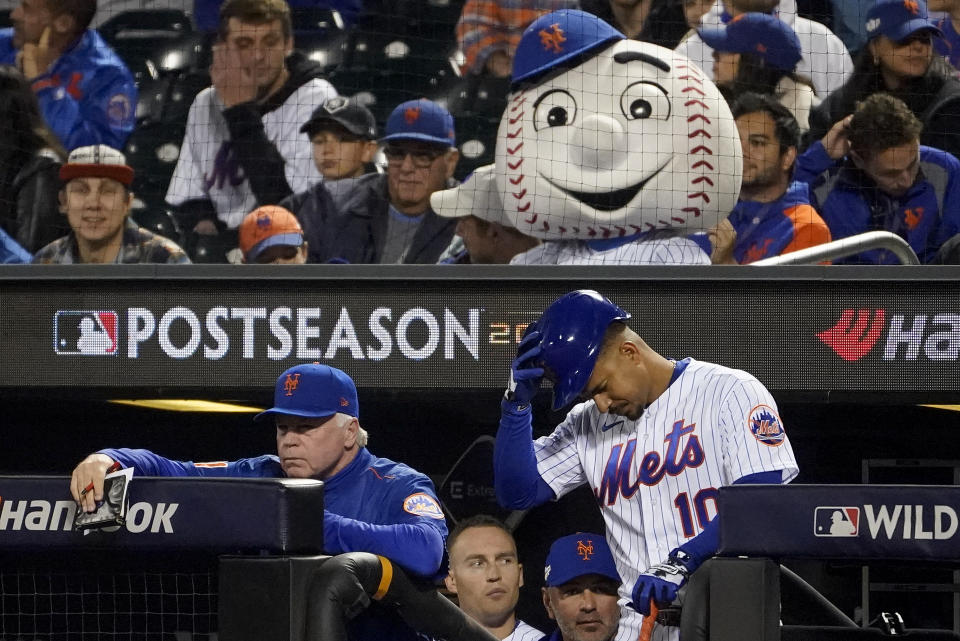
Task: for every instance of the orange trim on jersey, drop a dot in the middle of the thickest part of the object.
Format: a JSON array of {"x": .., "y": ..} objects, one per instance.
[
  {"x": 211, "y": 464},
  {"x": 386, "y": 576},
  {"x": 809, "y": 229}
]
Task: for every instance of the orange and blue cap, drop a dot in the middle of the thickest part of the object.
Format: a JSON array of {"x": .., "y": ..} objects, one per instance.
[
  {"x": 897, "y": 19},
  {"x": 422, "y": 120},
  {"x": 577, "y": 555},
  {"x": 557, "y": 37},
  {"x": 268, "y": 226},
  {"x": 313, "y": 390}
]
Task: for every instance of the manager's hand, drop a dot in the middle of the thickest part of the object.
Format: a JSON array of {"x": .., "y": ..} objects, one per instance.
[{"x": 90, "y": 471}]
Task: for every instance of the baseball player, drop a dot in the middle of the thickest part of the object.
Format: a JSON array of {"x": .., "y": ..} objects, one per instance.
[
  {"x": 372, "y": 504},
  {"x": 486, "y": 576},
  {"x": 654, "y": 438}
]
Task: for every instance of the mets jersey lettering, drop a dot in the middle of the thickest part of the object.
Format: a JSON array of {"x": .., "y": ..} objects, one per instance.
[{"x": 616, "y": 475}]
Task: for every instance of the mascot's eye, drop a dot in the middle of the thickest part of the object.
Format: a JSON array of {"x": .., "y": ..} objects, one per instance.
[
  {"x": 641, "y": 108},
  {"x": 645, "y": 100},
  {"x": 555, "y": 108},
  {"x": 557, "y": 117}
]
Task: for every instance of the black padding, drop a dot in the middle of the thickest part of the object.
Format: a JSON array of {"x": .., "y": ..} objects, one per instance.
[
  {"x": 745, "y": 600},
  {"x": 265, "y": 597}
]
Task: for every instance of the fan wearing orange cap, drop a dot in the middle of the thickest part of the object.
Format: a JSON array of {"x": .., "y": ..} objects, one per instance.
[{"x": 272, "y": 235}]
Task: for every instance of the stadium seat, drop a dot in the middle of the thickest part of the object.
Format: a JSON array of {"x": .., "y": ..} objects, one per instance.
[
  {"x": 476, "y": 140},
  {"x": 5, "y": 19},
  {"x": 150, "y": 41},
  {"x": 152, "y": 150},
  {"x": 480, "y": 95},
  {"x": 156, "y": 219},
  {"x": 205, "y": 249}
]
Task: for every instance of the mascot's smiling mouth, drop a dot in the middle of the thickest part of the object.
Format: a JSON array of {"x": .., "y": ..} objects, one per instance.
[{"x": 608, "y": 200}]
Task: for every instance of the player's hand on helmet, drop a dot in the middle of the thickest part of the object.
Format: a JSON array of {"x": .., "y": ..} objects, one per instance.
[
  {"x": 90, "y": 471},
  {"x": 525, "y": 376},
  {"x": 660, "y": 582}
]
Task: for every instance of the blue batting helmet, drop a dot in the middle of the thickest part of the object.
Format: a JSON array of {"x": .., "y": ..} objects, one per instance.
[{"x": 571, "y": 335}]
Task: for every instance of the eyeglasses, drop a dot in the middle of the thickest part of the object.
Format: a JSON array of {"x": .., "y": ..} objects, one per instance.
[{"x": 422, "y": 158}]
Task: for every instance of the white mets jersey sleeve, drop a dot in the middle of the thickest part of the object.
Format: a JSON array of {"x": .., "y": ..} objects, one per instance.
[
  {"x": 656, "y": 479},
  {"x": 282, "y": 127}
]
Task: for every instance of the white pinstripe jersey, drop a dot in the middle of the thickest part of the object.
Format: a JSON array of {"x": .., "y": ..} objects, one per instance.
[
  {"x": 656, "y": 478},
  {"x": 524, "y": 632},
  {"x": 675, "y": 250}
]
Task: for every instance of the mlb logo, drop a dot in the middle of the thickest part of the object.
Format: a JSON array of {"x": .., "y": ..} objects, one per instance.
[
  {"x": 836, "y": 521},
  {"x": 85, "y": 333}
]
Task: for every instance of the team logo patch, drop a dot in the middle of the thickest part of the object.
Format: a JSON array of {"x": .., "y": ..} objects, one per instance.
[
  {"x": 85, "y": 333},
  {"x": 422, "y": 504},
  {"x": 765, "y": 425},
  {"x": 333, "y": 105},
  {"x": 836, "y": 521},
  {"x": 553, "y": 39},
  {"x": 290, "y": 385},
  {"x": 119, "y": 110},
  {"x": 585, "y": 549}
]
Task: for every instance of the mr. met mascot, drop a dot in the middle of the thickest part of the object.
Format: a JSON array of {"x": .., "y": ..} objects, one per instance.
[{"x": 605, "y": 137}]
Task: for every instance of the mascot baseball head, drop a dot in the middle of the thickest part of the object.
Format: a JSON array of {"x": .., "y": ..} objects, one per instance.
[{"x": 607, "y": 137}]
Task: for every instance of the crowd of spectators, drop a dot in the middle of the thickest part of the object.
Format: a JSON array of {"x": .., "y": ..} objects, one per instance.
[{"x": 275, "y": 151}]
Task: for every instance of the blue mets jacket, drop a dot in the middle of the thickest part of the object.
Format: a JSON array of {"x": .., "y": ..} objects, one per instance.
[
  {"x": 372, "y": 505},
  {"x": 926, "y": 216},
  {"x": 87, "y": 96},
  {"x": 779, "y": 227}
]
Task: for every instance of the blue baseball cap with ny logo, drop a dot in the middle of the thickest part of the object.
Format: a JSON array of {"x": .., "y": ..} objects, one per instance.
[
  {"x": 558, "y": 37},
  {"x": 897, "y": 19},
  {"x": 422, "y": 120},
  {"x": 577, "y": 555},
  {"x": 313, "y": 391}
]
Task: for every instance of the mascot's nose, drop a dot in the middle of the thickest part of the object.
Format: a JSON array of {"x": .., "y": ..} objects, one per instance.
[{"x": 599, "y": 143}]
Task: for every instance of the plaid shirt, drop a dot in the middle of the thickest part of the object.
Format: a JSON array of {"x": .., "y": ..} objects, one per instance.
[
  {"x": 139, "y": 246},
  {"x": 486, "y": 26}
]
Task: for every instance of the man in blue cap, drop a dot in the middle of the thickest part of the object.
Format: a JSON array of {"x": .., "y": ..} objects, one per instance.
[
  {"x": 580, "y": 589},
  {"x": 372, "y": 504},
  {"x": 387, "y": 218}
]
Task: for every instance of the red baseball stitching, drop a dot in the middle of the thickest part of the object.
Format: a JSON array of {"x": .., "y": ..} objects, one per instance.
[
  {"x": 701, "y": 135},
  {"x": 522, "y": 202}
]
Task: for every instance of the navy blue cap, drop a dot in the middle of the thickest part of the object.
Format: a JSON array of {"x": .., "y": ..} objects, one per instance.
[
  {"x": 578, "y": 555},
  {"x": 558, "y": 36},
  {"x": 759, "y": 34},
  {"x": 421, "y": 120},
  {"x": 897, "y": 19},
  {"x": 315, "y": 391}
]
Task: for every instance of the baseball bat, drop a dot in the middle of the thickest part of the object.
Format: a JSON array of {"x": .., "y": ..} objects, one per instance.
[{"x": 646, "y": 628}]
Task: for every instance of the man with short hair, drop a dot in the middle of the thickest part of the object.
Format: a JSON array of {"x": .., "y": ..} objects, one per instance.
[
  {"x": 870, "y": 172},
  {"x": 371, "y": 504},
  {"x": 242, "y": 147},
  {"x": 486, "y": 576},
  {"x": 773, "y": 215},
  {"x": 271, "y": 235},
  {"x": 825, "y": 61},
  {"x": 86, "y": 93},
  {"x": 96, "y": 200},
  {"x": 486, "y": 234},
  {"x": 387, "y": 219},
  {"x": 581, "y": 587}
]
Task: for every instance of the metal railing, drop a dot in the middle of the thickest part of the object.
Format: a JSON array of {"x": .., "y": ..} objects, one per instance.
[{"x": 847, "y": 247}]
